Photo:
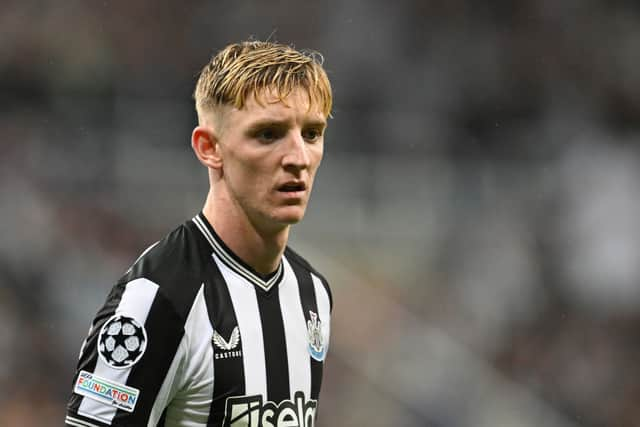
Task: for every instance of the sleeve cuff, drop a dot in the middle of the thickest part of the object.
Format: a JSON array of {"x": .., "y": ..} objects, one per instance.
[{"x": 79, "y": 421}]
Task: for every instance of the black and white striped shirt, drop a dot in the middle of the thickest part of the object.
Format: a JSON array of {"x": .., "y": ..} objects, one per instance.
[{"x": 193, "y": 336}]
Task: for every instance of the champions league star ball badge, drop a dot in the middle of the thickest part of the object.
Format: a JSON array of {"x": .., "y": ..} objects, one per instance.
[{"x": 122, "y": 342}]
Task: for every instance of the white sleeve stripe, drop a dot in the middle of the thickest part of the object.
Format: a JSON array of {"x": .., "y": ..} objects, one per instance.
[{"x": 78, "y": 423}]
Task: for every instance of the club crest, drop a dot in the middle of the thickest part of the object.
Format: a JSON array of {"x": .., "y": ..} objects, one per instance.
[{"x": 317, "y": 349}]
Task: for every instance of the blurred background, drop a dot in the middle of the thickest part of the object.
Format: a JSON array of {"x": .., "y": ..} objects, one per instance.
[{"x": 477, "y": 212}]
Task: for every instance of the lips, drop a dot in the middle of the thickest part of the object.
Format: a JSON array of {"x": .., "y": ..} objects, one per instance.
[{"x": 292, "y": 187}]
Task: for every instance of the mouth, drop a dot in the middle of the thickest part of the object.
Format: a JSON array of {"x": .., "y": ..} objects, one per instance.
[{"x": 292, "y": 187}]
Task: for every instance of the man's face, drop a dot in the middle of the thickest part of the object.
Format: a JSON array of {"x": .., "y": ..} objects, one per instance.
[{"x": 270, "y": 154}]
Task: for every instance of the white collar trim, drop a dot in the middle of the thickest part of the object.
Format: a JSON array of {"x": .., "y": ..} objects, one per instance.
[{"x": 228, "y": 259}]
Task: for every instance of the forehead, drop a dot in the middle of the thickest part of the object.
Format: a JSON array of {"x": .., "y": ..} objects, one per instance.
[{"x": 267, "y": 104}]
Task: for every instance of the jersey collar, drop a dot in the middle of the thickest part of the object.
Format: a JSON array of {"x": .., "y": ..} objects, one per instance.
[{"x": 233, "y": 261}]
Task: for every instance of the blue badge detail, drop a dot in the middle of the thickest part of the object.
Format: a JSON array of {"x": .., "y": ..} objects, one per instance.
[{"x": 317, "y": 349}]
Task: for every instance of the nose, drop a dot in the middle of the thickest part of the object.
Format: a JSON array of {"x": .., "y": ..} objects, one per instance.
[{"x": 297, "y": 155}]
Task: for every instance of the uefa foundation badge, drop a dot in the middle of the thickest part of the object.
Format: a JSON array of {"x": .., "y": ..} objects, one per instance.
[
  {"x": 106, "y": 391},
  {"x": 122, "y": 342}
]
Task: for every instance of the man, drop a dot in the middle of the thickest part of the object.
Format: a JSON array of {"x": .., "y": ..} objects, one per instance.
[{"x": 220, "y": 323}]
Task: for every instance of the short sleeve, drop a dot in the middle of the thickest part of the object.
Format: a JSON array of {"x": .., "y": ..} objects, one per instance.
[{"x": 130, "y": 362}]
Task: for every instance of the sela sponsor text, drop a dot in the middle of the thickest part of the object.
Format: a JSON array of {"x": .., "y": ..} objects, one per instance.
[{"x": 251, "y": 411}]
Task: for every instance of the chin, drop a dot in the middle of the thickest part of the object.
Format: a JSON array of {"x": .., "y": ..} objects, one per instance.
[
  {"x": 289, "y": 220},
  {"x": 289, "y": 215}
]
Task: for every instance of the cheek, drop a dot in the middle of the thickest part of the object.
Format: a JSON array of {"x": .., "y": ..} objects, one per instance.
[
  {"x": 241, "y": 177},
  {"x": 316, "y": 158},
  {"x": 256, "y": 175},
  {"x": 246, "y": 165}
]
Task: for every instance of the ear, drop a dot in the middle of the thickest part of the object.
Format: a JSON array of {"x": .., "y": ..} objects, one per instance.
[{"x": 206, "y": 146}]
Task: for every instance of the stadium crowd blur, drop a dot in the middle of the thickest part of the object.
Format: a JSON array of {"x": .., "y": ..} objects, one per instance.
[{"x": 478, "y": 210}]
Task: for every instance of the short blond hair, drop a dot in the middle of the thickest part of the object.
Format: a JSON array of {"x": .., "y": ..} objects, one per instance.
[{"x": 246, "y": 69}]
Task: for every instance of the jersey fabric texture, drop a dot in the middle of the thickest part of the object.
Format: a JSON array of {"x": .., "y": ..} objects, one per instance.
[{"x": 193, "y": 336}]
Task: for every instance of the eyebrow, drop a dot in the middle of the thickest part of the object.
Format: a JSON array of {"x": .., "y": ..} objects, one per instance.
[{"x": 260, "y": 124}]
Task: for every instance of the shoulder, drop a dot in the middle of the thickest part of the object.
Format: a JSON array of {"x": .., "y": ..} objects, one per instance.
[
  {"x": 298, "y": 261},
  {"x": 172, "y": 266}
]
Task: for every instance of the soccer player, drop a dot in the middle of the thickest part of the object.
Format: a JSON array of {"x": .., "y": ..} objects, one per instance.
[{"x": 220, "y": 323}]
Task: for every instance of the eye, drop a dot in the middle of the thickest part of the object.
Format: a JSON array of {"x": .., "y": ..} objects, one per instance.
[
  {"x": 268, "y": 135},
  {"x": 311, "y": 134}
]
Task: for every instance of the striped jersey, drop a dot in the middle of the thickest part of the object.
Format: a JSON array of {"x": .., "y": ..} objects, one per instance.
[{"x": 193, "y": 336}]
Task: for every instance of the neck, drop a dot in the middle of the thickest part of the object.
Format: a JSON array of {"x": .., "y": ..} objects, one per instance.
[{"x": 260, "y": 248}]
